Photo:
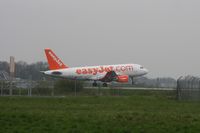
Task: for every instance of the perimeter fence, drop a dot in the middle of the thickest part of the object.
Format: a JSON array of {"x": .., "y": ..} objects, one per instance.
[
  {"x": 188, "y": 88},
  {"x": 185, "y": 88}
]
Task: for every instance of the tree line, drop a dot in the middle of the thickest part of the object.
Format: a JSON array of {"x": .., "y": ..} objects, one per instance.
[{"x": 23, "y": 70}]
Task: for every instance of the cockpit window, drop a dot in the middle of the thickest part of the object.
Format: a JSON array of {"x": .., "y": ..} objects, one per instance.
[{"x": 141, "y": 67}]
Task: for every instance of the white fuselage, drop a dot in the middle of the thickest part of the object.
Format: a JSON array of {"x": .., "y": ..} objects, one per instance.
[{"x": 98, "y": 72}]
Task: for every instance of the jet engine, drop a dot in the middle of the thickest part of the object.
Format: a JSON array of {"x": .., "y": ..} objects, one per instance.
[{"x": 123, "y": 78}]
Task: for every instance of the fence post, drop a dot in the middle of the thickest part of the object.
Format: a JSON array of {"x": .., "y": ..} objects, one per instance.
[
  {"x": 178, "y": 88},
  {"x": 10, "y": 88},
  {"x": 75, "y": 87},
  {"x": 1, "y": 88},
  {"x": 30, "y": 91}
]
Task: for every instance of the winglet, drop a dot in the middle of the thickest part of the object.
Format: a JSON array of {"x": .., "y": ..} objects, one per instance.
[{"x": 53, "y": 61}]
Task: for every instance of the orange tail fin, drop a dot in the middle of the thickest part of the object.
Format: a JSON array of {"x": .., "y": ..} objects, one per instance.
[{"x": 53, "y": 61}]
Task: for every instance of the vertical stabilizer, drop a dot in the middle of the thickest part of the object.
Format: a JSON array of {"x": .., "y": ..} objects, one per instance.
[{"x": 53, "y": 61}]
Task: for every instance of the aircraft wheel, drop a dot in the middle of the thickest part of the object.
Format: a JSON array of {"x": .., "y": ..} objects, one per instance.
[
  {"x": 133, "y": 82},
  {"x": 105, "y": 85},
  {"x": 94, "y": 84}
]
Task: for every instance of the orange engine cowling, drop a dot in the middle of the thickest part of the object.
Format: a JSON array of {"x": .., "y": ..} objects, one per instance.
[{"x": 122, "y": 78}]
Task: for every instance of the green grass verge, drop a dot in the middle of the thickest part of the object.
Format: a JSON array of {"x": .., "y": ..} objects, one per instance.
[{"x": 142, "y": 112}]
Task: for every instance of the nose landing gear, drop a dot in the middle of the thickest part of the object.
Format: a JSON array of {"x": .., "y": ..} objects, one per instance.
[{"x": 133, "y": 82}]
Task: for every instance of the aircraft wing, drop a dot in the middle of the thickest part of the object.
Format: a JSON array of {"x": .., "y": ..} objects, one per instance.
[
  {"x": 97, "y": 77},
  {"x": 109, "y": 77}
]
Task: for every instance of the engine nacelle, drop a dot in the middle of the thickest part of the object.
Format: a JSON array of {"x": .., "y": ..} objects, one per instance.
[{"x": 123, "y": 78}]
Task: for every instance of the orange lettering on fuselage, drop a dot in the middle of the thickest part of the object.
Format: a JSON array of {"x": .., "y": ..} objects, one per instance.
[
  {"x": 84, "y": 71},
  {"x": 89, "y": 71},
  {"x": 78, "y": 71},
  {"x": 103, "y": 69},
  {"x": 95, "y": 70}
]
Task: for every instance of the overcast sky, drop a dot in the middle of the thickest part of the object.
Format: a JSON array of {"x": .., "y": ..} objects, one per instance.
[{"x": 162, "y": 35}]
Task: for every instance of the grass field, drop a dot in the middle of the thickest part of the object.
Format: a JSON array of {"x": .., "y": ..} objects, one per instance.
[{"x": 142, "y": 112}]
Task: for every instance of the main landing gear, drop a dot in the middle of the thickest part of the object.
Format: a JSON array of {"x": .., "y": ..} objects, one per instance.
[
  {"x": 105, "y": 85},
  {"x": 95, "y": 84}
]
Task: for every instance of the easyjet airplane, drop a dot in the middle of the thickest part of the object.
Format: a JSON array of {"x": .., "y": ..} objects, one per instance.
[{"x": 104, "y": 73}]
